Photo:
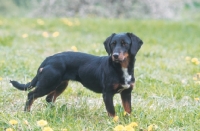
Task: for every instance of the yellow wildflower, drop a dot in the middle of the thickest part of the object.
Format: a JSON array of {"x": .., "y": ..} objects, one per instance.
[
  {"x": 193, "y": 60},
  {"x": 194, "y": 78},
  {"x": 13, "y": 122},
  {"x": 152, "y": 127},
  {"x": 125, "y": 113},
  {"x": 24, "y": 35},
  {"x": 47, "y": 129},
  {"x": 55, "y": 34},
  {"x": 188, "y": 58},
  {"x": 116, "y": 118},
  {"x": 129, "y": 128},
  {"x": 63, "y": 129},
  {"x": 133, "y": 124},
  {"x": 67, "y": 22},
  {"x": 197, "y": 82},
  {"x": 45, "y": 34},
  {"x": 9, "y": 129},
  {"x": 119, "y": 128},
  {"x": 196, "y": 62},
  {"x": 25, "y": 122},
  {"x": 42, "y": 123},
  {"x": 196, "y": 99},
  {"x": 74, "y": 48},
  {"x": 40, "y": 22},
  {"x": 1, "y": 78}
]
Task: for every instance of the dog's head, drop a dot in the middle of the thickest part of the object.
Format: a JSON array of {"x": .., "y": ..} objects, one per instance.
[{"x": 120, "y": 46}]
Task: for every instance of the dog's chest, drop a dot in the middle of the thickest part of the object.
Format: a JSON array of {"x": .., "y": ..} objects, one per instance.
[
  {"x": 127, "y": 78},
  {"x": 126, "y": 84}
]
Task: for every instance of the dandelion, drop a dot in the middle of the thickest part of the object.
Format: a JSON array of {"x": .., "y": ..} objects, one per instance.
[
  {"x": 196, "y": 99},
  {"x": 55, "y": 34},
  {"x": 24, "y": 35},
  {"x": 63, "y": 129},
  {"x": 67, "y": 22},
  {"x": 194, "y": 78},
  {"x": 74, "y": 48},
  {"x": 45, "y": 34},
  {"x": 42, "y": 123},
  {"x": 129, "y": 128},
  {"x": 125, "y": 113},
  {"x": 9, "y": 129},
  {"x": 26, "y": 122},
  {"x": 133, "y": 124},
  {"x": 40, "y": 22},
  {"x": 119, "y": 128},
  {"x": 1, "y": 78},
  {"x": 187, "y": 58},
  {"x": 47, "y": 129},
  {"x": 152, "y": 127},
  {"x": 194, "y": 60},
  {"x": 116, "y": 118},
  {"x": 197, "y": 82},
  {"x": 13, "y": 122}
]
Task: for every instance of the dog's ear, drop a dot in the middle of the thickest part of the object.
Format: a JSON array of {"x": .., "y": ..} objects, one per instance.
[
  {"x": 136, "y": 43},
  {"x": 107, "y": 44}
]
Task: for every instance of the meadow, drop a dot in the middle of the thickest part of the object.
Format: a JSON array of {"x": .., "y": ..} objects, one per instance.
[{"x": 167, "y": 70}]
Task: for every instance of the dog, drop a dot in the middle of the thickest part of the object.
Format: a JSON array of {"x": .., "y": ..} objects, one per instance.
[{"x": 106, "y": 74}]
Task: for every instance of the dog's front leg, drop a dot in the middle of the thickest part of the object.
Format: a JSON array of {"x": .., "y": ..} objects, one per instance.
[
  {"x": 108, "y": 100},
  {"x": 126, "y": 100}
]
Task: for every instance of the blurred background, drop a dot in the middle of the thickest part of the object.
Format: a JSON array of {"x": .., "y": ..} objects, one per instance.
[{"x": 140, "y": 9}]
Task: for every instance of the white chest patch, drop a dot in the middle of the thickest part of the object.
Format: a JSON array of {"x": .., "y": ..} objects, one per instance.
[{"x": 127, "y": 78}]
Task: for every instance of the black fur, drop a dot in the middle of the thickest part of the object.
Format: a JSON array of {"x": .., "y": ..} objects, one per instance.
[{"x": 106, "y": 75}]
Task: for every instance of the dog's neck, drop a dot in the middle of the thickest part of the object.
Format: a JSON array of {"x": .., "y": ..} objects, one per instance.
[
  {"x": 126, "y": 71},
  {"x": 127, "y": 67}
]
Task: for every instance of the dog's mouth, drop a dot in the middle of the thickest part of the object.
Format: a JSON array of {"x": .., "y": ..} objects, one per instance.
[
  {"x": 118, "y": 60},
  {"x": 120, "y": 57}
]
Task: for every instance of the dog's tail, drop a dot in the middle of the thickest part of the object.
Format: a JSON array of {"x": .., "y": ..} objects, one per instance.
[{"x": 27, "y": 86}]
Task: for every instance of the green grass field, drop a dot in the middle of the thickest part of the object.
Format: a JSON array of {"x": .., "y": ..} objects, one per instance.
[{"x": 167, "y": 90}]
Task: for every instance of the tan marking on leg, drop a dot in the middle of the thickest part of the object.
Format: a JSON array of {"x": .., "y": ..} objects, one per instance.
[{"x": 126, "y": 106}]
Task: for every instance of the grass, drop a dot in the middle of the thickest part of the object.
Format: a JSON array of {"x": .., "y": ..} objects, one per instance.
[{"x": 165, "y": 94}]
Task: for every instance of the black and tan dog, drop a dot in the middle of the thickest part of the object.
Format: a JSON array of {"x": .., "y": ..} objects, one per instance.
[{"x": 107, "y": 75}]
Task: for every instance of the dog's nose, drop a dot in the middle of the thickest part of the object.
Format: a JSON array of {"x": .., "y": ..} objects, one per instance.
[{"x": 115, "y": 55}]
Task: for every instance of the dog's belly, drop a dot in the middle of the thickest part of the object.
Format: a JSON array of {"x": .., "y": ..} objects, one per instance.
[
  {"x": 94, "y": 86},
  {"x": 87, "y": 80}
]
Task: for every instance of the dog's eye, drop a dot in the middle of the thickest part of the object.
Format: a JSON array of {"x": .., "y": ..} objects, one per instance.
[
  {"x": 113, "y": 44},
  {"x": 123, "y": 43}
]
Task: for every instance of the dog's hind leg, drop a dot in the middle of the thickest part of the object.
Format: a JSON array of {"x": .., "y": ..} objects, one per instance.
[
  {"x": 38, "y": 92},
  {"x": 48, "y": 81},
  {"x": 51, "y": 97}
]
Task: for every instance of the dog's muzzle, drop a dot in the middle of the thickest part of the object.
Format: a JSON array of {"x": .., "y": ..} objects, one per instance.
[{"x": 117, "y": 57}]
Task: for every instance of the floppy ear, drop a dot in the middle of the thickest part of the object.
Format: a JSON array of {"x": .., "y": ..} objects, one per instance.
[
  {"x": 107, "y": 44},
  {"x": 136, "y": 43}
]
